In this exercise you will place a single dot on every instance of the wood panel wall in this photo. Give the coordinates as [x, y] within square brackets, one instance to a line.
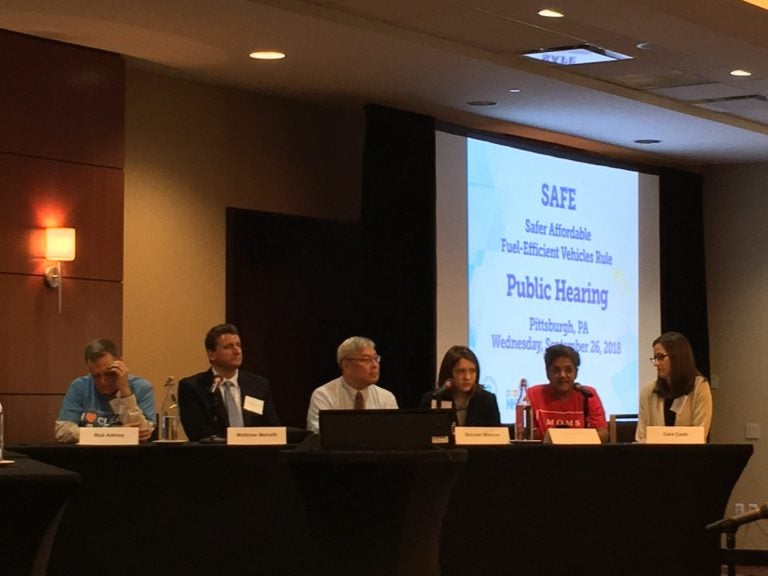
[61, 164]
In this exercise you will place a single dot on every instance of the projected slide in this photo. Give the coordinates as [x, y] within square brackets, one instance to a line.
[552, 257]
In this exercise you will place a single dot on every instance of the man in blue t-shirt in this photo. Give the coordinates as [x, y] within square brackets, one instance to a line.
[107, 396]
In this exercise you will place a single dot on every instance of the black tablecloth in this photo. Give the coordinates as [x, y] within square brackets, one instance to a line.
[179, 509]
[376, 513]
[629, 510]
[31, 496]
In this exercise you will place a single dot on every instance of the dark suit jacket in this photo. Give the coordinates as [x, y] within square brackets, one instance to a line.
[203, 413]
[482, 409]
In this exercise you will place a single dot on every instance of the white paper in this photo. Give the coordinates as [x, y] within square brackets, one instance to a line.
[675, 435]
[572, 436]
[257, 436]
[109, 436]
[253, 405]
[474, 435]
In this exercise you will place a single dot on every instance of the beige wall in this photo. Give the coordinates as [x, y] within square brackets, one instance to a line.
[736, 237]
[191, 151]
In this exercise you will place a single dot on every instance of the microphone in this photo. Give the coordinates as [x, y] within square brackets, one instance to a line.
[215, 398]
[579, 388]
[447, 385]
[728, 524]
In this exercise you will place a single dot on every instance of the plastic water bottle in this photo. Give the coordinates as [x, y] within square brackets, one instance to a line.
[523, 414]
[168, 418]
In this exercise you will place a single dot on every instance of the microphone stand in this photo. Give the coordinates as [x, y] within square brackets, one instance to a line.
[728, 526]
[215, 400]
[730, 544]
[586, 396]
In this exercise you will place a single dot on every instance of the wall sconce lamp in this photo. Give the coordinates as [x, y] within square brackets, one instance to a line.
[59, 247]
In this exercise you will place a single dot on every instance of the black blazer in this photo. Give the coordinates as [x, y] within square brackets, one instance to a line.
[203, 413]
[482, 410]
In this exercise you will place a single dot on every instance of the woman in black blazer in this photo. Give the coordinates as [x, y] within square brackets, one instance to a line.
[457, 382]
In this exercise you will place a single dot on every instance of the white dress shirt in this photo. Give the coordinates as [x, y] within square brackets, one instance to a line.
[339, 395]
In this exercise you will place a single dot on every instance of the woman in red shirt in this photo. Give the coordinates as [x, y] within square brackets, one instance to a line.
[563, 402]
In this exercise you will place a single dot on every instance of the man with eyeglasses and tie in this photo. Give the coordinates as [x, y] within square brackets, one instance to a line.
[224, 395]
[356, 388]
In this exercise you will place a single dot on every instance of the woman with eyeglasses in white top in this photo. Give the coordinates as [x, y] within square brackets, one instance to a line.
[680, 395]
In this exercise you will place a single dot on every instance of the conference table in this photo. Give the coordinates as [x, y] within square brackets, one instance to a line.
[32, 496]
[634, 510]
[618, 509]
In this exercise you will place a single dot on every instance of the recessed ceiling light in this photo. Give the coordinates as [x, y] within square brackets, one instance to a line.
[481, 103]
[267, 55]
[644, 46]
[741, 73]
[647, 141]
[515, 90]
[546, 13]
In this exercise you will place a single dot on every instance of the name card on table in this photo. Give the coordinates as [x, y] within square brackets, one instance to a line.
[259, 436]
[675, 435]
[112, 436]
[571, 436]
[477, 435]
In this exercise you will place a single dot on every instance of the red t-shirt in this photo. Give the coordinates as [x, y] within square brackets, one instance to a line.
[552, 412]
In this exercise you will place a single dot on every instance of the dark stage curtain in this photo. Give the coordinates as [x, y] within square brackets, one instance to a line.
[683, 280]
[293, 291]
[398, 238]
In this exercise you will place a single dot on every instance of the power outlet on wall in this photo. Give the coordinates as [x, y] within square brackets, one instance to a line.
[738, 508]
[752, 431]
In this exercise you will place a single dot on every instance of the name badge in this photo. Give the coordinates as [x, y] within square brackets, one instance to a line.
[253, 405]
[476, 435]
[675, 435]
[112, 436]
[257, 436]
[571, 436]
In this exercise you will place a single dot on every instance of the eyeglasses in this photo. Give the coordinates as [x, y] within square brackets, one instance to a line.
[367, 359]
[657, 358]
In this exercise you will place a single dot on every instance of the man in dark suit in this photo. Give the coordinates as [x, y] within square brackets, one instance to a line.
[224, 395]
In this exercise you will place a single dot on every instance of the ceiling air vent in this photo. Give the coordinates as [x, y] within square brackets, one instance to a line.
[750, 106]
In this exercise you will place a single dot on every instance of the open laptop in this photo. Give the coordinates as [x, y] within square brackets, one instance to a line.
[390, 429]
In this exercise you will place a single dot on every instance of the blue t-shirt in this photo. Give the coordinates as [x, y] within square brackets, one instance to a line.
[85, 406]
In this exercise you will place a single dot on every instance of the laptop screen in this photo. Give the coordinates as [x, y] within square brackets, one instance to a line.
[384, 429]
